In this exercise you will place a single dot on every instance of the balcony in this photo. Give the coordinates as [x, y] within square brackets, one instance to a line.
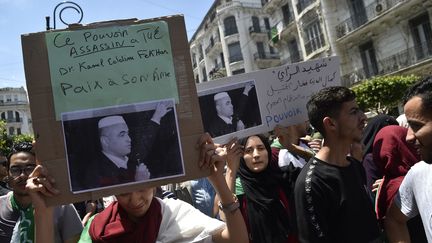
[258, 31]
[17, 102]
[371, 12]
[213, 48]
[302, 4]
[269, 6]
[266, 59]
[13, 120]
[314, 44]
[395, 63]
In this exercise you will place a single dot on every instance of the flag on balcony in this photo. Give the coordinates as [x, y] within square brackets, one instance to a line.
[274, 34]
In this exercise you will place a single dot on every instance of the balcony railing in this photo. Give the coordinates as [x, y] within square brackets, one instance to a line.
[211, 45]
[370, 12]
[266, 55]
[10, 120]
[302, 4]
[394, 63]
[258, 29]
[13, 103]
[314, 44]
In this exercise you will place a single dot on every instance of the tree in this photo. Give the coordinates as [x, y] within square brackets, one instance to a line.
[6, 141]
[384, 93]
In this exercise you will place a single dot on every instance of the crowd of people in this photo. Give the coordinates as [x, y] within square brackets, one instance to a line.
[354, 180]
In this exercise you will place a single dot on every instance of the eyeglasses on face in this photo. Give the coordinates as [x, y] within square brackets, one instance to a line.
[18, 170]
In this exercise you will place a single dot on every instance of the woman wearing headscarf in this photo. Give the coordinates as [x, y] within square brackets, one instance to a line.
[372, 128]
[394, 157]
[265, 206]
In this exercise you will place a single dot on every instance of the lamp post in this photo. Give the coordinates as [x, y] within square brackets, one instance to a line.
[64, 5]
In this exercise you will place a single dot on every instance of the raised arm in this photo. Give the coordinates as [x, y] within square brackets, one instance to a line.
[235, 230]
[39, 184]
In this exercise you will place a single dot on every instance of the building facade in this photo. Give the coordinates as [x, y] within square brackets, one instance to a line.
[372, 37]
[15, 110]
[233, 38]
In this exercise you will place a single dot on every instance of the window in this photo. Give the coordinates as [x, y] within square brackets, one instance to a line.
[238, 71]
[11, 131]
[204, 73]
[19, 131]
[17, 116]
[255, 25]
[230, 26]
[314, 37]
[3, 116]
[358, 12]
[15, 97]
[286, 14]
[8, 98]
[222, 59]
[235, 52]
[294, 51]
[421, 31]
[367, 53]
[260, 49]
[267, 23]
[9, 115]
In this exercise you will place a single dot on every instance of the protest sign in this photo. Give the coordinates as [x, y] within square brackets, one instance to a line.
[121, 70]
[281, 96]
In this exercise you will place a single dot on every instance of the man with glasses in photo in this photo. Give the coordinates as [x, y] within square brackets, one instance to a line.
[16, 211]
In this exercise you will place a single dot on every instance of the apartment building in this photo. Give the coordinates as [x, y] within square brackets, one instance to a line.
[371, 37]
[15, 110]
[232, 38]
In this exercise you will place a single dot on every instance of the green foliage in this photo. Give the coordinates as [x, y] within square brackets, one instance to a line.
[382, 94]
[7, 141]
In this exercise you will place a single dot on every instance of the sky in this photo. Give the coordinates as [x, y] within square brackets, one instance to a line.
[19, 17]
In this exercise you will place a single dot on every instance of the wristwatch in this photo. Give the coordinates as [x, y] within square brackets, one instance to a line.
[231, 207]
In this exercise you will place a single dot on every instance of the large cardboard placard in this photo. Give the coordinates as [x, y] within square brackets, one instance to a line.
[279, 96]
[122, 68]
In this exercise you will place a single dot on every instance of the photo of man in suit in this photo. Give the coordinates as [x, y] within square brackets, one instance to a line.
[226, 120]
[114, 164]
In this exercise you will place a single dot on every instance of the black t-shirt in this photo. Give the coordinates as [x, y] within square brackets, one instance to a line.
[332, 204]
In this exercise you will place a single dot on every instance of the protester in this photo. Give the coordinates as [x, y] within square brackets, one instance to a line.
[331, 202]
[372, 128]
[140, 217]
[265, 205]
[4, 189]
[414, 194]
[16, 209]
[394, 157]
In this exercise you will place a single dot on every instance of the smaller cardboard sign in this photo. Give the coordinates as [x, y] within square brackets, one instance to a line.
[279, 96]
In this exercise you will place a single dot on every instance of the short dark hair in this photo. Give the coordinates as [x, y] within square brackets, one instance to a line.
[26, 147]
[327, 102]
[422, 89]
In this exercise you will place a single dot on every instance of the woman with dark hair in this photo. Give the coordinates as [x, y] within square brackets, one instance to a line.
[372, 128]
[265, 206]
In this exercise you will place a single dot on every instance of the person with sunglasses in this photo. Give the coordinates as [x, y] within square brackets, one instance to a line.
[16, 210]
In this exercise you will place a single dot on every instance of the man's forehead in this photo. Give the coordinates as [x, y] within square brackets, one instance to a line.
[414, 110]
[22, 157]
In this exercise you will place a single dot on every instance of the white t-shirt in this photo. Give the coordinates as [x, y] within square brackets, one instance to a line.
[181, 222]
[415, 195]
